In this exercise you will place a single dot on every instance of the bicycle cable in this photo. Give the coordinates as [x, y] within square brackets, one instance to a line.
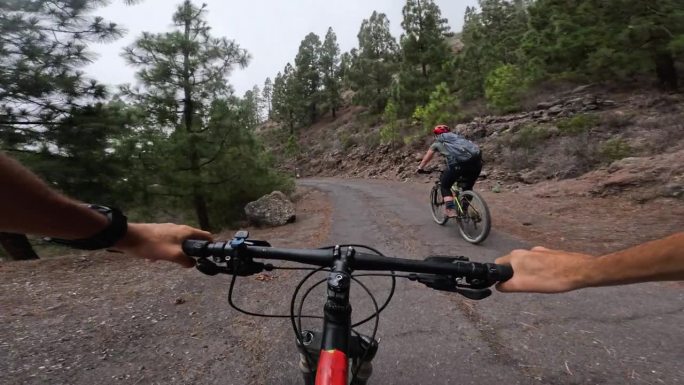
[392, 288]
[301, 302]
[250, 313]
[293, 300]
[376, 315]
[375, 328]
[296, 324]
[294, 268]
[296, 321]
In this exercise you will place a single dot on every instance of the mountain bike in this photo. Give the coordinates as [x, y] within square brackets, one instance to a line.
[473, 218]
[338, 354]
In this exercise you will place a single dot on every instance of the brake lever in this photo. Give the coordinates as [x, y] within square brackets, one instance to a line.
[207, 267]
[231, 266]
[448, 283]
[475, 294]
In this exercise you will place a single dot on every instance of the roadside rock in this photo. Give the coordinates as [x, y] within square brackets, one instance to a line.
[673, 190]
[645, 178]
[273, 209]
[555, 110]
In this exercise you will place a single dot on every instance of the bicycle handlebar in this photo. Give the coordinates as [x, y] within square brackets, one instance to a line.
[478, 275]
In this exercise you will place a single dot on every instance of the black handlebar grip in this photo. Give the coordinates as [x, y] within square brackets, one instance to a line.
[194, 248]
[505, 272]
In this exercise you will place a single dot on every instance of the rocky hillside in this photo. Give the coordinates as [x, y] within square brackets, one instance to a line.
[597, 142]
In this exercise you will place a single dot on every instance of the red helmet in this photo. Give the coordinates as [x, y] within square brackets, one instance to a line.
[439, 130]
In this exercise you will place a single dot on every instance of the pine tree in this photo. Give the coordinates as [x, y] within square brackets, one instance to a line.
[267, 97]
[345, 66]
[425, 52]
[492, 38]
[330, 67]
[278, 97]
[184, 89]
[252, 104]
[43, 45]
[374, 63]
[285, 98]
[44, 95]
[308, 78]
[590, 38]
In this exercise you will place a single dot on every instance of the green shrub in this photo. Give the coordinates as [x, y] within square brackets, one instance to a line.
[412, 139]
[577, 124]
[389, 131]
[615, 149]
[503, 88]
[292, 146]
[372, 139]
[617, 120]
[529, 136]
[368, 119]
[441, 109]
[348, 140]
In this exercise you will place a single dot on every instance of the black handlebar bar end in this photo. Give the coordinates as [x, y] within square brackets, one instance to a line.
[194, 248]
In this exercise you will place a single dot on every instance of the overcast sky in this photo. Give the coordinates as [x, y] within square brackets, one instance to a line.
[270, 30]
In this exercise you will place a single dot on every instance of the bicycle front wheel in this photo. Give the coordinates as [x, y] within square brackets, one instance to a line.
[475, 222]
[437, 206]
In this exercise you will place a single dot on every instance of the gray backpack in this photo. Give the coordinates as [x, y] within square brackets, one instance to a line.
[459, 148]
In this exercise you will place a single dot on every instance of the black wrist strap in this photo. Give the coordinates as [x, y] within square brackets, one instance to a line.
[115, 230]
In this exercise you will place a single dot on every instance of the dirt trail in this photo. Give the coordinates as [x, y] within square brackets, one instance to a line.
[100, 319]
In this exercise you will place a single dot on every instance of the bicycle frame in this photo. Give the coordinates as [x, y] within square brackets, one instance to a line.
[455, 193]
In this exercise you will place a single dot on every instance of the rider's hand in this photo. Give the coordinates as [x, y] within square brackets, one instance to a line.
[542, 270]
[160, 241]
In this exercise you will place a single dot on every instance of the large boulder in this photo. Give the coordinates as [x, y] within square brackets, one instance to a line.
[273, 209]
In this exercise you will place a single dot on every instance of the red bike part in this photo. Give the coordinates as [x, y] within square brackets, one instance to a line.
[333, 368]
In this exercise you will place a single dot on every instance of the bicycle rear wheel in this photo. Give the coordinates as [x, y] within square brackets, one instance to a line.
[475, 222]
[437, 205]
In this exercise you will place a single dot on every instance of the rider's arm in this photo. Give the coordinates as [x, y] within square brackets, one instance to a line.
[543, 270]
[426, 158]
[28, 205]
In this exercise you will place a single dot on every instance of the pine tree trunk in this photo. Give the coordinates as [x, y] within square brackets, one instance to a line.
[666, 70]
[201, 211]
[199, 201]
[17, 247]
[291, 123]
[334, 112]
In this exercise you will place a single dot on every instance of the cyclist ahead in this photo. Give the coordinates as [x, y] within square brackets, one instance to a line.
[463, 161]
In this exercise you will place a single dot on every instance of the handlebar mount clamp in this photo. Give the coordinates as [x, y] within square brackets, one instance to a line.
[232, 262]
